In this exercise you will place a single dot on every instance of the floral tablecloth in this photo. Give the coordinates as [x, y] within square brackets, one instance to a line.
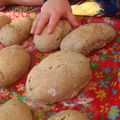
[99, 100]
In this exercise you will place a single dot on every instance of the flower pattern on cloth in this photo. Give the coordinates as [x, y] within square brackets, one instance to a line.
[100, 99]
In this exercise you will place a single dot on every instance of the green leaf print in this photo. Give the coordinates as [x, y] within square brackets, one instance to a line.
[118, 39]
[94, 65]
[20, 97]
[102, 118]
[107, 56]
[109, 77]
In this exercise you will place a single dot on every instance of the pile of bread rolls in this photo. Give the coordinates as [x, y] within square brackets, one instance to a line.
[61, 75]
[15, 31]
[14, 60]
[67, 70]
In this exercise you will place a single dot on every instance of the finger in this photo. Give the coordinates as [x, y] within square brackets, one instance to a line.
[44, 19]
[71, 18]
[52, 23]
[35, 24]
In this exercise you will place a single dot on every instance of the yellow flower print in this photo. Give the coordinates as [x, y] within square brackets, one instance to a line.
[21, 87]
[99, 75]
[111, 49]
[38, 55]
[104, 108]
[93, 86]
[118, 74]
[114, 112]
[95, 58]
[4, 93]
[101, 94]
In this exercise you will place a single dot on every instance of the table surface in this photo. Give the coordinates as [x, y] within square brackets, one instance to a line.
[100, 99]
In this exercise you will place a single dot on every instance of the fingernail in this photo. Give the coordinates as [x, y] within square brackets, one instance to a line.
[37, 33]
[31, 31]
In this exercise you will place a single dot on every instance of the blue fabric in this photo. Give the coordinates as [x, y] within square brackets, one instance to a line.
[110, 6]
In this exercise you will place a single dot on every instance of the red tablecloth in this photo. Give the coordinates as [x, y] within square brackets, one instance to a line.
[99, 100]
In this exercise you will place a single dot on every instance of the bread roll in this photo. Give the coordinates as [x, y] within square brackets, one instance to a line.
[49, 42]
[88, 37]
[14, 62]
[4, 20]
[22, 26]
[14, 109]
[69, 115]
[16, 32]
[9, 36]
[58, 77]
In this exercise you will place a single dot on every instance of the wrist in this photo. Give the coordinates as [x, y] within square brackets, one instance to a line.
[75, 1]
[70, 1]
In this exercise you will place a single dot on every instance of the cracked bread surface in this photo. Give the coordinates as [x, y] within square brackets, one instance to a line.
[88, 37]
[49, 42]
[59, 76]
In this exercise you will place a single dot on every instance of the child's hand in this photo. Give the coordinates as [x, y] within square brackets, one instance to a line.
[50, 14]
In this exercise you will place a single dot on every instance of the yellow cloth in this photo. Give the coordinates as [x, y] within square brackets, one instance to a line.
[86, 9]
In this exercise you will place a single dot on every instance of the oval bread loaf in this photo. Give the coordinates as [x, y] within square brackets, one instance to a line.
[14, 109]
[22, 26]
[88, 37]
[9, 36]
[14, 62]
[59, 76]
[49, 42]
[69, 115]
